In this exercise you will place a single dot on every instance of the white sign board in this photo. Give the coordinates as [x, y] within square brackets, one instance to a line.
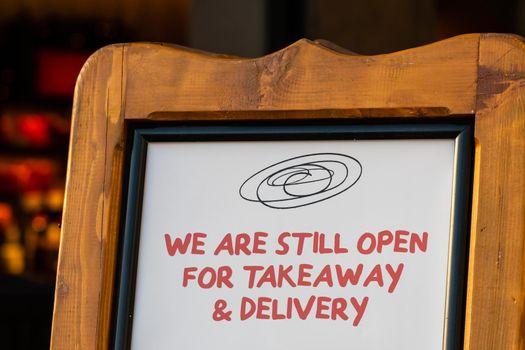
[294, 245]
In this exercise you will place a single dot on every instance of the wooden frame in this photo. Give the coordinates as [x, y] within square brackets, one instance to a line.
[473, 76]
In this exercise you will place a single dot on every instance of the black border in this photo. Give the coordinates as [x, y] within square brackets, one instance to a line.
[140, 134]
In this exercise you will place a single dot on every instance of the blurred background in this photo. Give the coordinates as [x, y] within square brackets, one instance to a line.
[44, 43]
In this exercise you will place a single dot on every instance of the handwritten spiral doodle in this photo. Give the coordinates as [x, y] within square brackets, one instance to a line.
[302, 180]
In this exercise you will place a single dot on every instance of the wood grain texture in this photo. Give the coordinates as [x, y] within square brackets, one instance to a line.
[304, 76]
[89, 231]
[479, 76]
[496, 292]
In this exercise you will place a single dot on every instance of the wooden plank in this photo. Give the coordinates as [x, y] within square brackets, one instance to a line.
[496, 294]
[89, 205]
[303, 76]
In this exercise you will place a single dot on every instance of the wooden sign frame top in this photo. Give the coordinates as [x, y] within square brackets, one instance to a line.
[477, 76]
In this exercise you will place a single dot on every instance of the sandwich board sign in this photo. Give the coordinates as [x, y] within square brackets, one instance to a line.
[302, 200]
